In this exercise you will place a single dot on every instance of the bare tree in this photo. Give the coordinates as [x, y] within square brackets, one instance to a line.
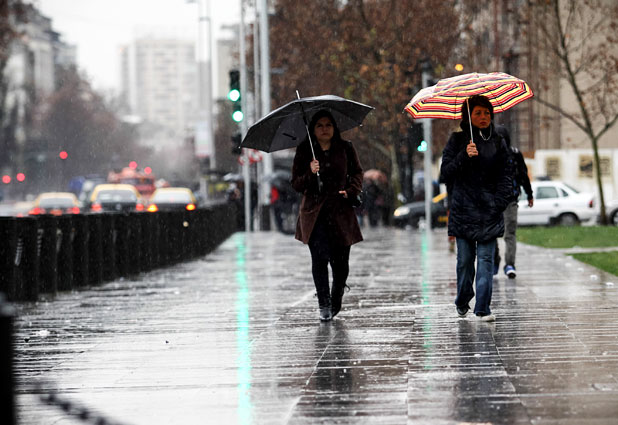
[368, 50]
[581, 36]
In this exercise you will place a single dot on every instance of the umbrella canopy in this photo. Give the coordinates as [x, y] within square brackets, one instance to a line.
[444, 100]
[284, 127]
[375, 175]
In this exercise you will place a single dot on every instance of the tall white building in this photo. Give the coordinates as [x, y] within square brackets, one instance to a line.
[160, 85]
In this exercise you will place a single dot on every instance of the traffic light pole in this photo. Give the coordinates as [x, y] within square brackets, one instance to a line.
[427, 160]
[265, 95]
[243, 123]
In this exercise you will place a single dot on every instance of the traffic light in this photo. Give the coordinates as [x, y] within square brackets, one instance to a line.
[234, 95]
[236, 139]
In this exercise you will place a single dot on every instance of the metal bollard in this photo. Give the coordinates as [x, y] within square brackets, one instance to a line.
[8, 251]
[153, 240]
[122, 244]
[7, 383]
[65, 252]
[80, 251]
[168, 237]
[48, 266]
[146, 233]
[27, 259]
[108, 246]
[134, 252]
[95, 252]
[177, 232]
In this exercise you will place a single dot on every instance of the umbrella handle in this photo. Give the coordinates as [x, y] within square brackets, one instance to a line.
[310, 141]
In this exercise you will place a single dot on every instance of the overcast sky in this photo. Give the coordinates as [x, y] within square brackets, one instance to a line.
[99, 27]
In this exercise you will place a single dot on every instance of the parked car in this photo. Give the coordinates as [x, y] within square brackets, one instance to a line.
[115, 197]
[556, 203]
[410, 214]
[172, 199]
[55, 203]
[611, 209]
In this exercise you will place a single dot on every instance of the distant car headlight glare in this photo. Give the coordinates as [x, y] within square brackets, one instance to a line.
[402, 211]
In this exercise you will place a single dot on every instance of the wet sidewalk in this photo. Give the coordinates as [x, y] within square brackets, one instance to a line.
[234, 338]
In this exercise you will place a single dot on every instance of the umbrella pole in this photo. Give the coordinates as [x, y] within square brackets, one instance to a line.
[306, 126]
[310, 141]
[469, 119]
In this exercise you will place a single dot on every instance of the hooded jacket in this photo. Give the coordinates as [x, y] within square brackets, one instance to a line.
[340, 161]
[479, 188]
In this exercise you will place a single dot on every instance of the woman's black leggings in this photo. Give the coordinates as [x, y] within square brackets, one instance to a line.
[323, 252]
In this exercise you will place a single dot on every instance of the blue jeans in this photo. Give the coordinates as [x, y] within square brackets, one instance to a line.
[467, 250]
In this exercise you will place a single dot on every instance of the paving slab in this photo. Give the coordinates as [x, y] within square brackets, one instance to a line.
[234, 338]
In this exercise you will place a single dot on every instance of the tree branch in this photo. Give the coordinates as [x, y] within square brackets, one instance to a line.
[607, 126]
[561, 112]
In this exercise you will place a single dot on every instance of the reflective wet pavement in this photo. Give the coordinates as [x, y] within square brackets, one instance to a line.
[234, 338]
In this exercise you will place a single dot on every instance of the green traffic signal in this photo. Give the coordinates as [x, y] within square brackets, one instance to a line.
[422, 147]
[238, 116]
[234, 95]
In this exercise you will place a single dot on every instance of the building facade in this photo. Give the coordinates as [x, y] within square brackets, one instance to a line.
[159, 83]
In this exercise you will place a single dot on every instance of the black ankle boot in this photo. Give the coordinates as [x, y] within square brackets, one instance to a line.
[325, 307]
[337, 297]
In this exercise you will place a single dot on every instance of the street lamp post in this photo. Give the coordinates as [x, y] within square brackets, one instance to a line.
[243, 123]
[204, 134]
[427, 155]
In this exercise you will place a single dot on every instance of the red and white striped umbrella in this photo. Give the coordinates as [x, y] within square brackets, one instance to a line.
[444, 100]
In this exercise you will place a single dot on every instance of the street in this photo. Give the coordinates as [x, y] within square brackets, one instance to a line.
[234, 338]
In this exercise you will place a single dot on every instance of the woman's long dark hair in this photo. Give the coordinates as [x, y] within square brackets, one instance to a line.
[319, 115]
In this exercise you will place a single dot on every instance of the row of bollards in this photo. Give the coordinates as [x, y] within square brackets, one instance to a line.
[47, 254]
[7, 401]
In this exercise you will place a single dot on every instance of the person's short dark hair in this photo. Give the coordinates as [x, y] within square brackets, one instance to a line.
[319, 115]
[477, 100]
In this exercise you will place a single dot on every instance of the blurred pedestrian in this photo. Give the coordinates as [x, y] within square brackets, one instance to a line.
[326, 220]
[519, 178]
[474, 167]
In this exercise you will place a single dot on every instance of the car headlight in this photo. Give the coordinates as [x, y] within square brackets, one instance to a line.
[401, 211]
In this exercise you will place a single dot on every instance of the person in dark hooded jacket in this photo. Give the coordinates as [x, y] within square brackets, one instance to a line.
[475, 170]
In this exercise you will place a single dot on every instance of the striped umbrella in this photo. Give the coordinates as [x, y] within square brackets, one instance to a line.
[444, 100]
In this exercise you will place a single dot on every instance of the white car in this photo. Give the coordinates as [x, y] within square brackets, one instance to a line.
[556, 203]
[611, 209]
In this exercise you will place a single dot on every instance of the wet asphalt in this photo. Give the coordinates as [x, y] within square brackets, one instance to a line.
[234, 338]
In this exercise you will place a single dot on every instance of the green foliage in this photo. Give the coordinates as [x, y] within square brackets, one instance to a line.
[569, 237]
[607, 261]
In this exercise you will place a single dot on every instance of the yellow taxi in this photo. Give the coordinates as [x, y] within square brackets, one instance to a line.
[172, 199]
[115, 198]
[55, 203]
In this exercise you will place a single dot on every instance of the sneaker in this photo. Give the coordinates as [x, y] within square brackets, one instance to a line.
[510, 271]
[462, 311]
[487, 318]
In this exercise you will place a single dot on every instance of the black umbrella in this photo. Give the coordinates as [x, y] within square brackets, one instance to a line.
[286, 127]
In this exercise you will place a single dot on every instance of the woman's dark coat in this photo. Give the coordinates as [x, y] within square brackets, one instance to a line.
[479, 187]
[333, 172]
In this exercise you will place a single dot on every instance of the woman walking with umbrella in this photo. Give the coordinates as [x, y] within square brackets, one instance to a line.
[329, 176]
[475, 168]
